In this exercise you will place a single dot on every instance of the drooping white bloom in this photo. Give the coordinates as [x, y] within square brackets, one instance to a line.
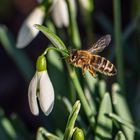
[86, 4]
[60, 13]
[41, 87]
[27, 33]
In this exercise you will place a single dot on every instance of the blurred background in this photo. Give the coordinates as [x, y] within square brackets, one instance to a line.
[15, 78]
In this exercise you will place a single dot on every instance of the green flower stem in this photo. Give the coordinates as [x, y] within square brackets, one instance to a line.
[81, 95]
[73, 28]
[86, 13]
[42, 132]
[63, 52]
[118, 42]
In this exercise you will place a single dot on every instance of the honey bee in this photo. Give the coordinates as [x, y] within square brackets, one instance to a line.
[89, 61]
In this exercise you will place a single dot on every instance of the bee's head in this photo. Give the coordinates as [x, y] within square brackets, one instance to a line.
[72, 55]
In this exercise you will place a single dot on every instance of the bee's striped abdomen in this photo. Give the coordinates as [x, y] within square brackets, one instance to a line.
[102, 65]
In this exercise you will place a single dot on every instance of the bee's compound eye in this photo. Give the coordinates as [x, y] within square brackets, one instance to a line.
[73, 57]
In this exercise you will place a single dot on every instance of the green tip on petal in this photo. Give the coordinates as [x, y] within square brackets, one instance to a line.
[78, 134]
[41, 64]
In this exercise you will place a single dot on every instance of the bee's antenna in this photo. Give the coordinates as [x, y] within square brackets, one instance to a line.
[70, 50]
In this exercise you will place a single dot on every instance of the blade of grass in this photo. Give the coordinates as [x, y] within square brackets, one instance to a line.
[104, 125]
[121, 108]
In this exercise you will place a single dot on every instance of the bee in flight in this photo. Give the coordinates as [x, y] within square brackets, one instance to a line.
[89, 61]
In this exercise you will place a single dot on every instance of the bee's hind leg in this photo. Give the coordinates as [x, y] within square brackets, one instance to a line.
[84, 69]
[92, 72]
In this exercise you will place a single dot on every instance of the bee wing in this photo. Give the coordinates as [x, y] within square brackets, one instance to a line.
[100, 44]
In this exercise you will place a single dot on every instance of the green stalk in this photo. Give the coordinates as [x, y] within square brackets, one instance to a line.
[118, 42]
[81, 95]
[86, 13]
[73, 28]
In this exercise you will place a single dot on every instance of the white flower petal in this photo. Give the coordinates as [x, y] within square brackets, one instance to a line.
[60, 13]
[85, 4]
[32, 97]
[46, 96]
[27, 33]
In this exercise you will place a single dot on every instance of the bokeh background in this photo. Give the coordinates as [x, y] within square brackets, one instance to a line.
[14, 82]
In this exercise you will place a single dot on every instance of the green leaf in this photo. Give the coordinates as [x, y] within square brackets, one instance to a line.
[20, 128]
[69, 109]
[3, 134]
[19, 57]
[7, 131]
[102, 88]
[43, 134]
[90, 81]
[89, 90]
[71, 121]
[103, 129]
[123, 122]
[121, 108]
[120, 136]
[55, 40]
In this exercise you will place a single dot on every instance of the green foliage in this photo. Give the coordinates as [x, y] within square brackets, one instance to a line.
[105, 114]
[13, 128]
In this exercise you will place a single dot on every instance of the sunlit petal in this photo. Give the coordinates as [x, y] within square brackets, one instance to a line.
[60, 13]
[46, 96]
[27, 33]
[32, 97]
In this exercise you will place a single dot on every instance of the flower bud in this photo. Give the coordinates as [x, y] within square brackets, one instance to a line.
[41, 63]
[78, 134]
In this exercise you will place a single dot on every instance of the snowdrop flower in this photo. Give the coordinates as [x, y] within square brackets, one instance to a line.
[41, 87]
[87, 4]
[60, 13]
[27, 33]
